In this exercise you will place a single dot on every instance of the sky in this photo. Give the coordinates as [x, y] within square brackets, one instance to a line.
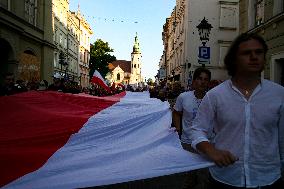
[117, 21]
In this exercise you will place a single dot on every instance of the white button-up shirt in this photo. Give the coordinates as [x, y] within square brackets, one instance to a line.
[252, 130]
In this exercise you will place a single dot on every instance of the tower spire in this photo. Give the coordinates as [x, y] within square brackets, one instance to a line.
[136, 47]
[78, 11]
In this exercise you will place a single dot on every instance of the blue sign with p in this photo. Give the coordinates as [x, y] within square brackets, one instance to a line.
[204, 52]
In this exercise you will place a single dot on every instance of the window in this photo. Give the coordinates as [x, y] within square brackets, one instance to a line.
[85, 57]
[223, 48]
[259, 12]
[31, 11]
[60, 38]
[55, 59]
[118, 77]
[278, 7]
[65, 42]
[228, 16]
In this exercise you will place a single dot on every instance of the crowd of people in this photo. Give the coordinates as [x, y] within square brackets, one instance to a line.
[59, 84]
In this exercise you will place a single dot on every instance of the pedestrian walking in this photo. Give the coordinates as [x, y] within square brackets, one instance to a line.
[184, 112]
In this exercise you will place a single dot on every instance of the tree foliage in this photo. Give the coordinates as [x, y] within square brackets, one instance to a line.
[100, 57]
[150, 81]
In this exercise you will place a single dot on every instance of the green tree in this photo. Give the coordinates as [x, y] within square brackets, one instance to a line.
[150, 81]
[100, 57]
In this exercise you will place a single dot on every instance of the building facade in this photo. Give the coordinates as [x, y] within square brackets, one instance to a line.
[266, 18]
[72, 48]
[72, 39]
[26, 43]
[182, 41]
[127, 72]
[60, 10]
[84, 33]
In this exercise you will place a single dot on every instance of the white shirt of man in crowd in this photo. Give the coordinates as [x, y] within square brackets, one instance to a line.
[187, 104]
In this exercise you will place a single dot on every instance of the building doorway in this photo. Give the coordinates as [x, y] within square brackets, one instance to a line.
[29, 67]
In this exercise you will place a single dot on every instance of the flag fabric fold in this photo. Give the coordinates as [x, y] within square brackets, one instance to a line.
[98, 79]
[127, 141]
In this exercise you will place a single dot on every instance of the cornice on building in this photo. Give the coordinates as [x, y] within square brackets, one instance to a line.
[268, 23]
[14, 26]
[228, 2]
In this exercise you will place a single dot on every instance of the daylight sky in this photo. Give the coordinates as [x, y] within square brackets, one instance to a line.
[117, 21]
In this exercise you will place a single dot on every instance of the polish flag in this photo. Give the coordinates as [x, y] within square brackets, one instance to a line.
[98, 79]
[57, 140]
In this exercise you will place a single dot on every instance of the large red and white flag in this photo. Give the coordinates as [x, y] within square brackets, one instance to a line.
[98, 79]
[57, 140]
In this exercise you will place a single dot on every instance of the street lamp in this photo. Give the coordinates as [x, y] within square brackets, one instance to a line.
[63, 62]
[173, 74]
[204, 29]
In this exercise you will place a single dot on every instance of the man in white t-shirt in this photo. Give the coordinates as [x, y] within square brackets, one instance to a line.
[187, 104]
[184, 112]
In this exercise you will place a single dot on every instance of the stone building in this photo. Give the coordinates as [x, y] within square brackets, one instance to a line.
[26, 43]
[83, 33]
[60, 9]
[127, 72]
[266, 18]
[72, 39]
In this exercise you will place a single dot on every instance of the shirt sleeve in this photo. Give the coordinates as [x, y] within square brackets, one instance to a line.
[202, 125]
[178, 104]
[281, 135]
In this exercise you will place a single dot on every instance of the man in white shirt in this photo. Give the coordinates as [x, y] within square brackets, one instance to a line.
[187, 104]
[184, 112]
[246, 114]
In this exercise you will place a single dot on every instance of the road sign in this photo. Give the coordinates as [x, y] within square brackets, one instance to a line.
[204, 55]
[202, 61]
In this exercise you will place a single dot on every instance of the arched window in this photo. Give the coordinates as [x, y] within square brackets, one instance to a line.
[118, 76]
[134, 65]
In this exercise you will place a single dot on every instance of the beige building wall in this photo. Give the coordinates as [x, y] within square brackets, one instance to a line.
[176, 69]
[72, 36]
[26, 39]
[266, 18]
[84, 50]
[73, 47]
[83, 33]
[60, 9]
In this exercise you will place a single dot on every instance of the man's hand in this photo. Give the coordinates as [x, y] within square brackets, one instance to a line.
[177, 116]
[221, 158]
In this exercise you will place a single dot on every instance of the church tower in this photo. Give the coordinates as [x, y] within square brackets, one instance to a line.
[136, 63]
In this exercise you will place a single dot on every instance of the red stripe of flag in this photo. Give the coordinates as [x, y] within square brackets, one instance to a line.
[34, 125]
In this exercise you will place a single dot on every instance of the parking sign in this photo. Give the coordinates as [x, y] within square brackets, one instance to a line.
[204, 55]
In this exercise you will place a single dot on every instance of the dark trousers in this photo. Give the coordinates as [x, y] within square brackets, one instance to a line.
[279, 184]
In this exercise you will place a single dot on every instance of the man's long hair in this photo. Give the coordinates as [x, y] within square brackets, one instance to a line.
[230, 58]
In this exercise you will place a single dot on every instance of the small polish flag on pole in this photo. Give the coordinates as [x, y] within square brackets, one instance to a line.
[98, 79]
